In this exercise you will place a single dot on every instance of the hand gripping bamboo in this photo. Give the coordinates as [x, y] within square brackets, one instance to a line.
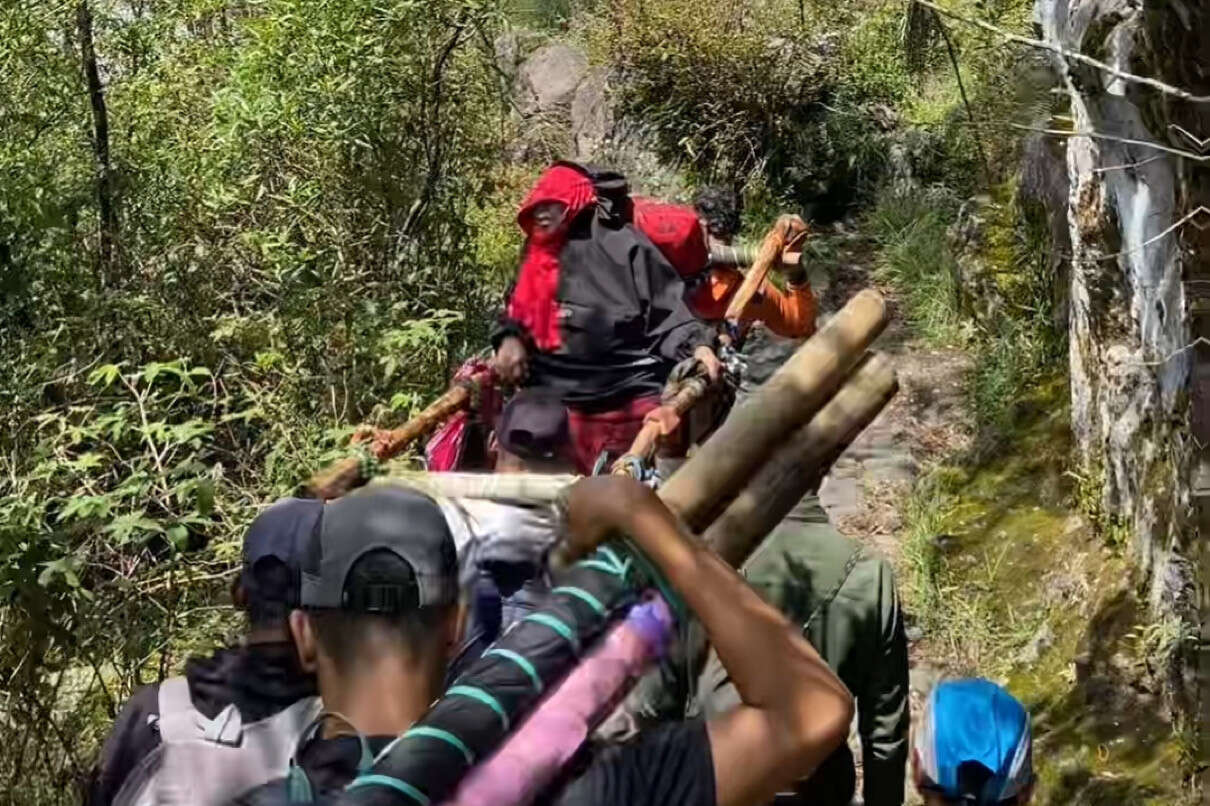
[721, 467]
[786, 235]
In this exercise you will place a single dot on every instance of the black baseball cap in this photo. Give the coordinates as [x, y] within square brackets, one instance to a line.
[275, 541]
[534, 425]
[381, 517]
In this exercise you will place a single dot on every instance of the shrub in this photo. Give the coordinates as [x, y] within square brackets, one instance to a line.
[295, 252]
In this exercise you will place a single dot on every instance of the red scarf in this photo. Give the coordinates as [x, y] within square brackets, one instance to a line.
[533, 302]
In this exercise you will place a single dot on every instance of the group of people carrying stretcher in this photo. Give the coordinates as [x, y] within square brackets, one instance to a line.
[377, 669]
[612, 293]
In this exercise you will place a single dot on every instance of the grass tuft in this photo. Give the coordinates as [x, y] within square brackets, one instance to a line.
[915, 259]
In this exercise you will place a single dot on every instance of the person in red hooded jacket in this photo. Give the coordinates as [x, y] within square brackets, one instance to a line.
[593, 325]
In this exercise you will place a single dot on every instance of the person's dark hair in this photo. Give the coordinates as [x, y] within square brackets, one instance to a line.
[383, 580]
[973, 778]
[719, 207]
[275, 596]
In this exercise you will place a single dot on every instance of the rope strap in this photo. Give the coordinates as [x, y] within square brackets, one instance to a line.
[444, 736]
[391, 783]
[368, 466]
[482, 696]
[521, 661]
[583, 596]
[558, 626]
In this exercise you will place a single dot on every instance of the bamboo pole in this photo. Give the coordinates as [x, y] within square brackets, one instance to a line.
[744, 255]
[531, 488]
[709, 479]
[345, 474]
[787, 233]
[801, 463]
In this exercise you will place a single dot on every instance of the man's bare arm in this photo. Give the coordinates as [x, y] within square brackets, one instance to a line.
[795, 711]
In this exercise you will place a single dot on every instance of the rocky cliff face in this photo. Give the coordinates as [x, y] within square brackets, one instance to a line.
[1137, 256]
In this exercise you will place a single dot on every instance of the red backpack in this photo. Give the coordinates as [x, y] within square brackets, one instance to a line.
[676, 232]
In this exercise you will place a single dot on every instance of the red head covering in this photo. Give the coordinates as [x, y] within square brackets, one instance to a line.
[533, 302]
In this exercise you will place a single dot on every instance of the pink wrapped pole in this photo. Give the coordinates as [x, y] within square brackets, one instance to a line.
[536, 752]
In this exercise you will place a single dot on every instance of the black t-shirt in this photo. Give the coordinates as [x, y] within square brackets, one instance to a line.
[260, 679]
[668, 766]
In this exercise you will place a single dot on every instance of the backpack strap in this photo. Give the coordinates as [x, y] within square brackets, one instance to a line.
[180, 721]
[826, 602]
[226, 728]
[178, 717]
[299, 788]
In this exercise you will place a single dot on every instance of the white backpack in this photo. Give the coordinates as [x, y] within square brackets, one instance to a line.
[209, 762]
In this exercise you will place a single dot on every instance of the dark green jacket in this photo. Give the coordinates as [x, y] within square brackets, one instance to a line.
[846, 603]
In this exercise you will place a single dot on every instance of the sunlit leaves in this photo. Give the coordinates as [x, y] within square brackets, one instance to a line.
[415, 341]
[125, 528]
[104, 375]
[86, 507]
[266, 153]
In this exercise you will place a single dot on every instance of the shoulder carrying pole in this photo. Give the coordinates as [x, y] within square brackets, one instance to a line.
[722, 465]
[342, 476]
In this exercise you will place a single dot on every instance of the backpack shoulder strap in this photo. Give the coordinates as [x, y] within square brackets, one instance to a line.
[137, 789]
[180, 721]
[178, 717]
[827, 600]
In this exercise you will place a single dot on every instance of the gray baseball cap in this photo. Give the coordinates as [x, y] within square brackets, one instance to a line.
[387, 517]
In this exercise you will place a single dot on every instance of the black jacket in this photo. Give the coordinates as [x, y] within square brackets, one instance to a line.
[623, 318]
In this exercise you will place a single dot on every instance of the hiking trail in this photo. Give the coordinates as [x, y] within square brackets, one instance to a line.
[999, 574]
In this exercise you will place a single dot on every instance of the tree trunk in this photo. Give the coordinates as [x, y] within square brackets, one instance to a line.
[100, 141]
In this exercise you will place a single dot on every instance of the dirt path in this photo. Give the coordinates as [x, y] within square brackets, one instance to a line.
[1070, 639]
[868, 486]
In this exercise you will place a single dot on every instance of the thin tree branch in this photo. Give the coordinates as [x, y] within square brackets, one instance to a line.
[1071, 55]
[949, 48]
[100, 118]
[435, 154]
[1114, 139]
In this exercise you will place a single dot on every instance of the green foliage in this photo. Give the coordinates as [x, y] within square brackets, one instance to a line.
[540, 14]
[296, 252]
[736, 91]
[872, 55]
[914, 257]
[1010, 325]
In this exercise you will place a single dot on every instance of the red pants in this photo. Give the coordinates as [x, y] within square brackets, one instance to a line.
[613, 431]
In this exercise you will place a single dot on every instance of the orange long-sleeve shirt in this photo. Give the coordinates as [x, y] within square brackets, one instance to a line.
[790, 314]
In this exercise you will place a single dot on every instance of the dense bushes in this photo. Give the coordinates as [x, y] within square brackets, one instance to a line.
[742, 91]
[293, 253]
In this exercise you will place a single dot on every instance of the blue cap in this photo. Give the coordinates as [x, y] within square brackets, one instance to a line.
[281, 533]
[973, 744]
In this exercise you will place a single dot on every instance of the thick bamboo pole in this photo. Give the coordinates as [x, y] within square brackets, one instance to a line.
[744, 255]
[531, 488]
[800, 464]
[722, 466]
